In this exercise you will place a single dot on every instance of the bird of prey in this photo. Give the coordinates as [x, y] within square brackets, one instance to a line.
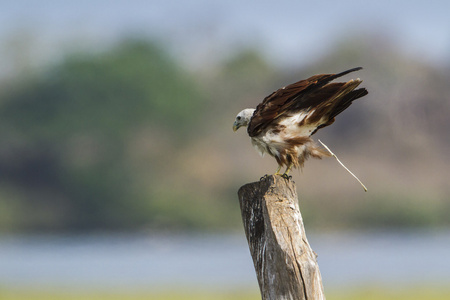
[283, 123]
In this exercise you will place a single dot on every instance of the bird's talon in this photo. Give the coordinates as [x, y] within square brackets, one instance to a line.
[286, 176]
[262, 178]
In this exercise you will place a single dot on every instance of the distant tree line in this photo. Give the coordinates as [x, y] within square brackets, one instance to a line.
[128, 139]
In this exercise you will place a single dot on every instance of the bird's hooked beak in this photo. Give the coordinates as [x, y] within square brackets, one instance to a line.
[236, 126]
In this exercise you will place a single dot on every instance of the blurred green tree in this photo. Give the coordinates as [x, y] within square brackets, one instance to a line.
[65, 136]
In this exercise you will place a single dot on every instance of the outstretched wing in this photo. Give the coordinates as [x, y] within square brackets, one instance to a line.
[318, 99]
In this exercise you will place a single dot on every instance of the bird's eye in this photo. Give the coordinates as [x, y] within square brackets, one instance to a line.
[238, 118]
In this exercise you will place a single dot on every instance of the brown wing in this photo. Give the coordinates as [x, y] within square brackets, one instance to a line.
[335, 102]
[315, 92]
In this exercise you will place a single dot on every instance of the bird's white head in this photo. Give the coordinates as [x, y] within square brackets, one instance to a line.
[243, 118]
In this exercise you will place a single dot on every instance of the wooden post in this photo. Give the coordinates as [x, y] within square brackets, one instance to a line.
[285, 264]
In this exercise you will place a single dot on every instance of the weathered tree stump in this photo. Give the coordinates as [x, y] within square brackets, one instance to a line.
[285, 264]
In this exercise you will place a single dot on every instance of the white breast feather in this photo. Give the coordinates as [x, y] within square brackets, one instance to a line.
[270, 141]
[259, 146]
[292, 128]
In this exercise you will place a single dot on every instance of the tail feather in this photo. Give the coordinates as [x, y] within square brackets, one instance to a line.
[337, 104]
[330, 78]
[346, 72]
[347, 100]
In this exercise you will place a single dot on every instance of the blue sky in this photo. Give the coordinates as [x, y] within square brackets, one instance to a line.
[198, 29]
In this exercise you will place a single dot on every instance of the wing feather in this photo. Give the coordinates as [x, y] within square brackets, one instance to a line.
[315, 96]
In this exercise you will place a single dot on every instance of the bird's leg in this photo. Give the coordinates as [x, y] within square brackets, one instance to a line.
[285, 174]
[278, 170]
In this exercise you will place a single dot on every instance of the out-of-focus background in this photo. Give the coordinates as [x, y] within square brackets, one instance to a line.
[119, 170]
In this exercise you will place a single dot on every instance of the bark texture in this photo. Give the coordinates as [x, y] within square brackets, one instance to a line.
[285, 264]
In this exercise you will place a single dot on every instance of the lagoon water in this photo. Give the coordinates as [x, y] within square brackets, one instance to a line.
[216, 261]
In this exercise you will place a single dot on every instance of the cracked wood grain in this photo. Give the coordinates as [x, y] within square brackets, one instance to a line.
[286, 266]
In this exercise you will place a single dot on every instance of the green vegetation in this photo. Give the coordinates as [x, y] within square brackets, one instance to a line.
[127, 139]
[69, 137]
[412, 293]
[366, 293]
